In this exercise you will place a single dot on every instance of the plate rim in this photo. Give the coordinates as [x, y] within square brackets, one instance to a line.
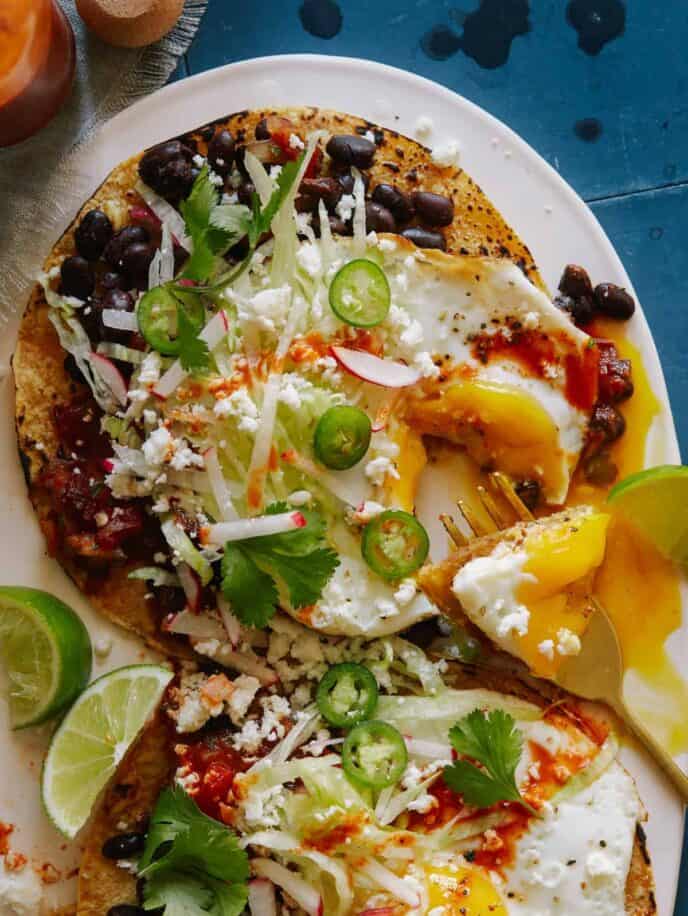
[393, 78]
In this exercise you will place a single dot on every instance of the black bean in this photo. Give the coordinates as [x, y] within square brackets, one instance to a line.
[600, 470]
[77, 277]
[124, 845]
[239, 251]
[136, 260]
[614, 301]
[90, 317]
[262, 132]
[119, 241]
[221, 152]
[395, 200]
[126, 909]
[112, 280]
[337, 226]
[329, 190]
[180, 255]
[379, 218]
[348, 149]
[425, 238]
[245, 193]
[581, 311]
[606, 424]
[72, 369]
[528, 492]
[433, 209]
[346, 180]
[167, 168]
[92, 234]
[575, 282]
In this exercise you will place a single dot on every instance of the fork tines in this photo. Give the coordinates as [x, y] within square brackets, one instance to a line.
[502, 489]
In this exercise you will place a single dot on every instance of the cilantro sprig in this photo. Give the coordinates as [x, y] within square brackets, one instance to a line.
[299, 559]
[191, 865]
[493, 742]
[194, 354]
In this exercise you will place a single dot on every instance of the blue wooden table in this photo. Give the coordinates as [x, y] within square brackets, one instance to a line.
[598, 87]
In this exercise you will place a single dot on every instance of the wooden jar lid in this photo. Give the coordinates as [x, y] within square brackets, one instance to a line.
[130, 23]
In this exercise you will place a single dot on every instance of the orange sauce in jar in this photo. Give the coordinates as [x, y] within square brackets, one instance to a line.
[37, 61]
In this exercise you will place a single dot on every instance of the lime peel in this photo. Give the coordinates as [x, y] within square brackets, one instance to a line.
[94, 737]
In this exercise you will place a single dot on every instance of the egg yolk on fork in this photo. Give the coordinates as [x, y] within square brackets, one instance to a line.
[561, 561]
[462, 891]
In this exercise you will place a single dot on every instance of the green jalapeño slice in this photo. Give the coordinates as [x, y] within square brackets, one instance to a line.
[359, 293]
[342, 437]
[347, 694]
[394, 544]
[157, 317]
[374, 755]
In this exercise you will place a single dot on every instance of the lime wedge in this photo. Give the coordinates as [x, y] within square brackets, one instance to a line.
[656, 501]
[94, 737]
[46, 652]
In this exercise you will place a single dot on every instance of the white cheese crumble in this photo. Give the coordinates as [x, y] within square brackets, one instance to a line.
[377, 470]
[567, 642]
[309, 258]
[546, 648]
[424, 126]
[240, 406]
[295, 142]
[300, 497]
[447, 154]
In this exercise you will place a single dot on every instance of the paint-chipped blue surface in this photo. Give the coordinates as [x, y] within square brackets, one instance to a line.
[614, 123]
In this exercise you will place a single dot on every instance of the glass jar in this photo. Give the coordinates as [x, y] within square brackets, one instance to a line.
[37, 60]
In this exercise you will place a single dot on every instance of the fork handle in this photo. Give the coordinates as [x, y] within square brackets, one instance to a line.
[671, 769]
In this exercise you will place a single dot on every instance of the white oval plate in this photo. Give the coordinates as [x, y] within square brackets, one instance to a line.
[544, 210]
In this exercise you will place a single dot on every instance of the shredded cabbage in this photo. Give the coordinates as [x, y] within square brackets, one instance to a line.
[74, 339]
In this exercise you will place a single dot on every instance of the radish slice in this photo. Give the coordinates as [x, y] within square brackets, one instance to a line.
[185, 623]
[218, 485]
[111, 375]
[253, 527]
[387, 880]
[305, 895]
[191, 584]
[230, 621]
[120, 320]
[166, 214]
[374, 369]
[261, 897]
[213, 333]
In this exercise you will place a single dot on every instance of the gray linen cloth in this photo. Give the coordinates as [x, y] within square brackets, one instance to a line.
[40, 188]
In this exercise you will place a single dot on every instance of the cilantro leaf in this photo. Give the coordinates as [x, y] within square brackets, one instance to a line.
[495, 743]
[299, 558]
[251, 591]
[231, 219]
[199, 205]
[305, 575]
[262, 218]
[193, 352]
[191, 863]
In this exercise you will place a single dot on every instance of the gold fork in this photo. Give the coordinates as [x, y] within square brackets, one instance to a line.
[597, 672]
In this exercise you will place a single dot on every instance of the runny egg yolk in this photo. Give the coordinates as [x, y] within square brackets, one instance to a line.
[499, 424]
[462, 891]
[561, 560]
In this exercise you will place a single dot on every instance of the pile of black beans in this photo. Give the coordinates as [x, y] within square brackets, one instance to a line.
[583, 303]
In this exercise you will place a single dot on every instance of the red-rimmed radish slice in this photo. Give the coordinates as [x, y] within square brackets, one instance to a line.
[191, 584]
[166, 213]
[390, 882]
[213, 333]
[348, 486]
[261, 897]
[385, 372]
[231, 621]
[302, 892]
[111, 375]
[119, 320]
[185, 623]
[218, 485]
[254, 527]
